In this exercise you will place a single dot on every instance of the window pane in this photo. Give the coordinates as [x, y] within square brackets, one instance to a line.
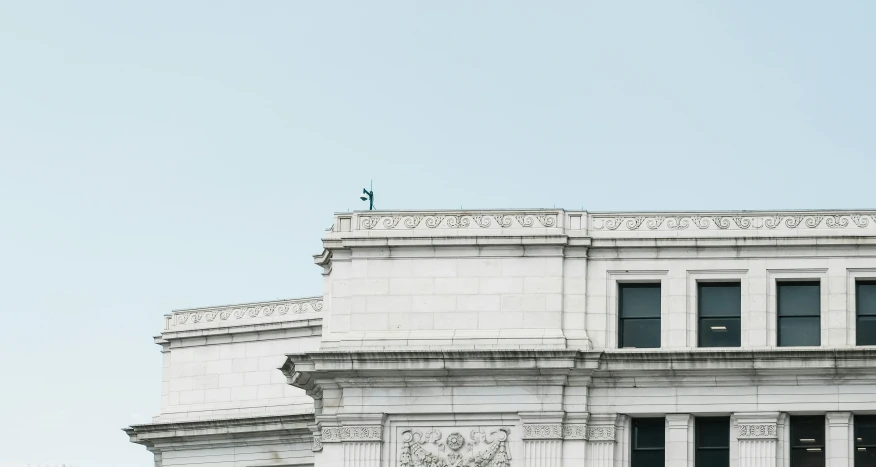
[640, 333]
[804, 458]
[865, 458]
[647, 459]
[720, 332]
[865, 296]
[799, 298]
[649, 433]
[639, 300]
[713, 432]
[799, 331]
[807, 432]
[865, 430]
[866, 330]
[720, 299]
[713, 458]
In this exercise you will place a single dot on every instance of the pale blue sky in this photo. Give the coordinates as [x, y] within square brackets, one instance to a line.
[160, 155]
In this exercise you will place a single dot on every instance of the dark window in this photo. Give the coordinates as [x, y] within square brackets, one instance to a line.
[639, 306]
[720, 308]
[807, 441]
[649, 439]
[713, 442]
[799, 306]
[865, 298]
[865, 440]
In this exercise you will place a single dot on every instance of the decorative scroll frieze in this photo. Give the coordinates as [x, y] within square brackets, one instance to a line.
[480, 449]
[483, 220]
[574, 431]
[234, 314]
[352, 433]
[775, 221]
[548, 431]
[757, 431]
[600, 433]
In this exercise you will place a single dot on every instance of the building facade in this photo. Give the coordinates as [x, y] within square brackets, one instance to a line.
[542, 338]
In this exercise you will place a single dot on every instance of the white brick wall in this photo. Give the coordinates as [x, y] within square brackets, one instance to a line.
[233, 379]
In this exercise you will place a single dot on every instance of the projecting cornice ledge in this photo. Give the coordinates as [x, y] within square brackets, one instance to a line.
[314, 371]
[237, 431]
[774, 362]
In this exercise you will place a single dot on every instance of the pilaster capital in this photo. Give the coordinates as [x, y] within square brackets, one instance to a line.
[542, 425]
[603, 427]
[678, 420]
[757, 425]
[839, 418]
[353, 427]
[575, 426]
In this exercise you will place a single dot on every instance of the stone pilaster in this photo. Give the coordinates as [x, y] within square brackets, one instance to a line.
[601, 440]
[758, 437]
[360, 437]
[542, 438]
[331, 451]
[838, 440]
[575, 439]
[679, 440]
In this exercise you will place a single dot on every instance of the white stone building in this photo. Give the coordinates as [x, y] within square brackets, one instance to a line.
[542, 338]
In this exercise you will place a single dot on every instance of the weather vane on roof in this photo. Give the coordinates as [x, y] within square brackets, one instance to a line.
[368, 195]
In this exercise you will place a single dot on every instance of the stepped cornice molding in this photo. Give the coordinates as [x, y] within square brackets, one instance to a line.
[231, 431]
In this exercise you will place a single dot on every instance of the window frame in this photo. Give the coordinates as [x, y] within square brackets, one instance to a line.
[634, 438]
[858, 314]
[858, 421]
[795, 445]
[700, 317]
[798, 282]
[697, 432]
[620, 318]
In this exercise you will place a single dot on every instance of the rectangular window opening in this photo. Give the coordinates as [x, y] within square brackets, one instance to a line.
[865, 306]
[719, 311]
[807, 441]
[865, 440]
[712, 439]
[639, 315]
[798, 306]
[648, 442]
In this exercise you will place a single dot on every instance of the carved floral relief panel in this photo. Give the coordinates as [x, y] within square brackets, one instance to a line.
[454, 447]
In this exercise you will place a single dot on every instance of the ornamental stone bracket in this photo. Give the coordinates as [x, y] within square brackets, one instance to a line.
[316, 444]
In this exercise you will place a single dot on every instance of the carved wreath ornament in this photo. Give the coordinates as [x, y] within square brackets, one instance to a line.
[482, 449]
